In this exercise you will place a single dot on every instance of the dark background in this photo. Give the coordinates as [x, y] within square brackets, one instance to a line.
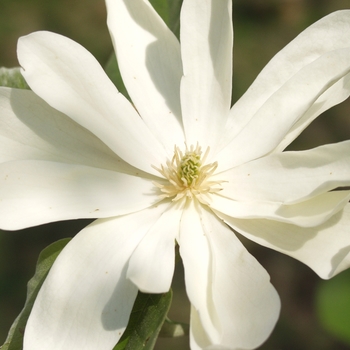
[262, 27]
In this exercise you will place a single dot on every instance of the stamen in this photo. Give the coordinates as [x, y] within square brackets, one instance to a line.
[187, 176]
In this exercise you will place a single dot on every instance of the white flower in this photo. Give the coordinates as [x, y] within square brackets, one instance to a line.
[76, 148]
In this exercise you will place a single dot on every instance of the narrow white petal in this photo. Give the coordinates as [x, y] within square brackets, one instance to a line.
[234, 304]
[273, 120]
[309, 213]
[325, 248]
[206, 49]
[31, 129]
[85, 301]
[195, 253]
[150, 64]
[37, 192]
[152, 264]
[290, 177]
[336, 94]
[71, 80]
[198, 336]
[247, 305]
[329, 33]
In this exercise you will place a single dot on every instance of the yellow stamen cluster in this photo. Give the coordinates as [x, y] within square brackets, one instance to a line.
[187, 176]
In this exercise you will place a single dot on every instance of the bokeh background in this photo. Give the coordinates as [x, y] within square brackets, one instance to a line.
[262, 27]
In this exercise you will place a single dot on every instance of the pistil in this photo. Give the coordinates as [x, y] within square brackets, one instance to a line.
[188, 175]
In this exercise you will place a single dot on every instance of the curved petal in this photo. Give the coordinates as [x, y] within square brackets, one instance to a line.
[235, 305]
[309, 213]
[195, 253]
[43, 191]
[246, 303]
[150, 64]
[325, 248]
[329, 33]
[70, 79]
[336, 94]
[272, 122]
[31, 129]
[198, 336]
[289, 177]
[86, 300]
[151, 266]
[206, 49]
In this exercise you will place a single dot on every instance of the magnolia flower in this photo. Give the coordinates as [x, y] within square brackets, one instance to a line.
[176, 165]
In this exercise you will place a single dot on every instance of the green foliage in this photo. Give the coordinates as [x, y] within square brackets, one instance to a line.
[333, 306]
[146, 320]
[169, 10]
[47, 257]
[163, 9]
[12, 77]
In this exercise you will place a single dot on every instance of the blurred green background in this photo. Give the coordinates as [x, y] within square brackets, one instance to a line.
[262, 27]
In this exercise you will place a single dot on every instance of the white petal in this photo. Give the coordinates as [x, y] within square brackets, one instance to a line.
[37, 192]
[195, 253]
[309, 213]
[235, 305]
[246, 304]
[336, 94]
[70, 79]
[85, 301]
[325, 248]
[273, 120]
[329, 33]
[31, 129]
[206, 49]
[198, 336]
[152, 264]
[150, 64]
[289, 177]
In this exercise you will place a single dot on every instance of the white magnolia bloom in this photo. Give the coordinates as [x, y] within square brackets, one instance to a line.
[177, 165]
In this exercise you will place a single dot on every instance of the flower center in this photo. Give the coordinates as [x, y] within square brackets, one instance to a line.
[188, 176]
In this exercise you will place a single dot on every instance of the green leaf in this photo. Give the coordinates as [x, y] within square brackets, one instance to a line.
[169, 10]
[12, 77]
[174, 16]
[146, 320]
[162, 7]
[333, 306]
[47, 257]
[173, 329]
